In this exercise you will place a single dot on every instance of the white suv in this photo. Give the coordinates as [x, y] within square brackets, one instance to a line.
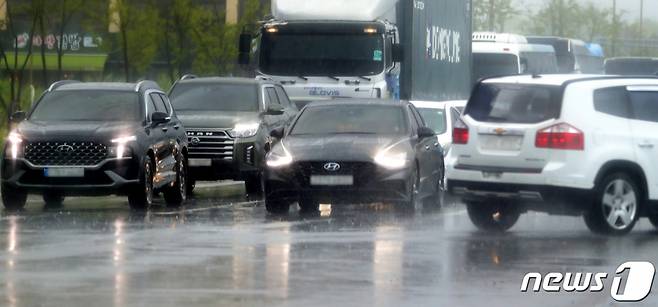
[563, 144]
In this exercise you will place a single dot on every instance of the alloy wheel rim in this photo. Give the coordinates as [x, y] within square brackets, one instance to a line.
[619, 204]
[181, 181]
[149, 184]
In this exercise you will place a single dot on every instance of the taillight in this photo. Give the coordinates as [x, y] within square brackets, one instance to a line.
[560, 136]
[460, 133]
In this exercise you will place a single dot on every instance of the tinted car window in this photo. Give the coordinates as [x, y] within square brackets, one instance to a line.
[491, 64]
[435, 119]
[283, 98]
[88, 105]
[271, 93]
[507, 103]
[352, 119]
[645, 106]
[215, 96]
[612, 101]
[160, 105]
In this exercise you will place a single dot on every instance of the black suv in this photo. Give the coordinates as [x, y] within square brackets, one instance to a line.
[96, 139]
[228, 121]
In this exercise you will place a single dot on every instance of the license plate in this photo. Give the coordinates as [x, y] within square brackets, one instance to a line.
[59, 172]
[332, 180]
[492, 175]
[199, 162]
[506, 142]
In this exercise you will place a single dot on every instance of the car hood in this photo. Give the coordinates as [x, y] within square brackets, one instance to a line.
[215, 119]
[78, 130]
[361, 148]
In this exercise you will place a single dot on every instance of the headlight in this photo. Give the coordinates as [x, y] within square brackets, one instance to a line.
[121, 150]
[278, 159]
[14, 141]
[244, 130]
[391, 160]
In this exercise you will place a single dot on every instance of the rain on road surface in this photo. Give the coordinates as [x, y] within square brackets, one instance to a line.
[221, 250]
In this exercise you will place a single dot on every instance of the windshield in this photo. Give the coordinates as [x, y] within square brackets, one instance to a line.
[384, 120]
[487, 65]
[511, 103]
[215, 97]
[315, 54]
[435, 119]
[88, 105]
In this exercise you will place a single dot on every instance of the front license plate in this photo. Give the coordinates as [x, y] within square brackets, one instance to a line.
[59, 172]
[200, 162]
[332, 180]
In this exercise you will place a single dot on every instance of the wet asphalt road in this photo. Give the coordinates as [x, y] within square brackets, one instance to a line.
[221, 250]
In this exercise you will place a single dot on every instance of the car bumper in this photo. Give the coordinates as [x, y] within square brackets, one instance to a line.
[370, 184]
[245, 160]
[112, 176]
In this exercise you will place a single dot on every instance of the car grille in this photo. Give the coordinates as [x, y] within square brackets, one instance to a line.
[363, 172]
[65, 153]
[207, 144]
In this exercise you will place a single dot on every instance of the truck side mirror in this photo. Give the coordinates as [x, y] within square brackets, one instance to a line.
[18, 117]
[244, 48]
[397, 53]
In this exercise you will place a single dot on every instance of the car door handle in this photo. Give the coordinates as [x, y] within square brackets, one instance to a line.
[646, 146]
[177, 127]
[437, 144]
[165, 129]
[427, 147]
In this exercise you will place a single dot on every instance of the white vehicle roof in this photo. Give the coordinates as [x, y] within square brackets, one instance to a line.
[439, 104]
[490, 47]
[492, 37]
[352, 10]
[557, 80]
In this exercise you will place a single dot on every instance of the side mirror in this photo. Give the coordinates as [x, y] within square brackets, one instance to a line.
[397, 53]
[425, 132]
[244, 48]
[277, 133]
[18, 117]
[274, 109]
[160, 118]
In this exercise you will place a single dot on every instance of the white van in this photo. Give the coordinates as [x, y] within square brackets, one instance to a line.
[501, 54]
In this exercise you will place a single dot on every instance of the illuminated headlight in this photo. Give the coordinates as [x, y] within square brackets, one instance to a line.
[14, 141]
[278, 158]
[391, 160]
[121, 149]
[244, 130]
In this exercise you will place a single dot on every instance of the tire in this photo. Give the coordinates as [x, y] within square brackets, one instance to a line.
[253, 185]
[176, 195]
[414, 200]
[276, 206]
[142, 196]
[616, 205]
[53, 198]
[13, 199]
[653, 218]
[308, 205]
[191, 184]
[493, 216]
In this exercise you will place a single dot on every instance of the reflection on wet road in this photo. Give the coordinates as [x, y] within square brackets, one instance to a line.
[230, 252]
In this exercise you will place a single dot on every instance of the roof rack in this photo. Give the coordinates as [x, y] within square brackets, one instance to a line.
[144, 83]
[188, 77]
[57, 84]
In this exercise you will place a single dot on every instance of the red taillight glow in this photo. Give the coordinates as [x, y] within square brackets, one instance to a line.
[561, 136]
[460, 133]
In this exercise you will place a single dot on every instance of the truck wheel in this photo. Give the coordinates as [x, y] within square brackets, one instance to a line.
[276, 206]
[253, 185]
[616, 206]
[142, 196]
[177, 194]
[53, 198]
[13, 199]
[492, 215]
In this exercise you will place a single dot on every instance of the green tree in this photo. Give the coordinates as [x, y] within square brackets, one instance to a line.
[493, 15]
[557, 17]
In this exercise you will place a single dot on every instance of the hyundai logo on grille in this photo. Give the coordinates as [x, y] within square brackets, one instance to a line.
[195, 141]
[65, 149]
[332, 166]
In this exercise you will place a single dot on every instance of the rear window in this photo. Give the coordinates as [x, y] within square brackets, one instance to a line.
[645, 106]
[511, 103]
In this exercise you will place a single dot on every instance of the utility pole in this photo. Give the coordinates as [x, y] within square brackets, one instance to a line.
[614, 27]
[492, 16]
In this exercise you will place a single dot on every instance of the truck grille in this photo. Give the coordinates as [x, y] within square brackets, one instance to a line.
[65, 153]
[207, 144]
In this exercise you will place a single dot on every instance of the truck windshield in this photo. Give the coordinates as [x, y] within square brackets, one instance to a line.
[353, 119]
[215, 97]
[294, 54]
[487, 65]
[88, 105]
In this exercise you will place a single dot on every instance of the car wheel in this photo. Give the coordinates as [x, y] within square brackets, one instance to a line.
[13, 199]
[53, 198]
[616, 206]
[493, 216]
[653, 218]
[277, 206]
[308, 205]
[177, 194]
[142, 197]
[253, 185]
[414, 200]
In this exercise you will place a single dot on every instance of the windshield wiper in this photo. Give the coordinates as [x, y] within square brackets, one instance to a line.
[335, 78]
[303, 78]
[365, 78]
